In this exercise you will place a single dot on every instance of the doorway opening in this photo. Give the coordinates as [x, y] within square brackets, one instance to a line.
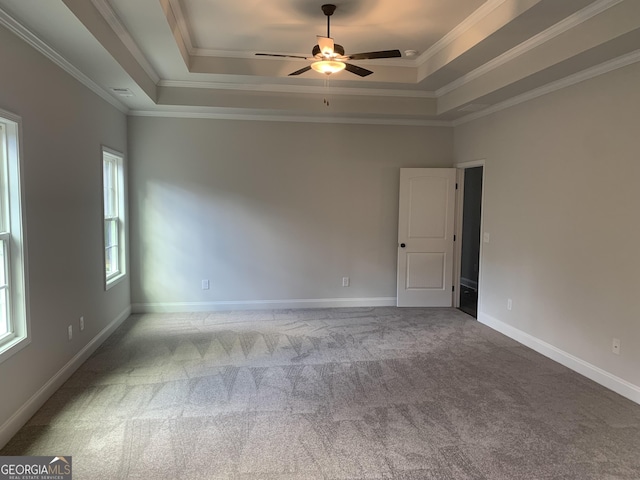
[471, 230]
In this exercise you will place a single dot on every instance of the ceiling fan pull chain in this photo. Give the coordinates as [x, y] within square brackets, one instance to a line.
[326, 86]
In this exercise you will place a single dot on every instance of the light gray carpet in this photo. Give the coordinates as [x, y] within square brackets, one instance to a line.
[379, 393]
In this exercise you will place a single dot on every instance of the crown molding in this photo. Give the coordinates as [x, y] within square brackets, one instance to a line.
[34, 41]
[112, 18]
[589, 73]
[183, 25]
[559, 28]
[215, 114]
[463, 27]
[273, 88]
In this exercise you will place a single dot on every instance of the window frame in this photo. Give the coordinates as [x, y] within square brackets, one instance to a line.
[118, 217]
[13, 237]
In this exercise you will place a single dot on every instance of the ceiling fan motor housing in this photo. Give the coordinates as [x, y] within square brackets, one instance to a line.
[338, 49]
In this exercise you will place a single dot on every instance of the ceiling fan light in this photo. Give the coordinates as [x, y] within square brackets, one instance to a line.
[328, 66]
[326, 45]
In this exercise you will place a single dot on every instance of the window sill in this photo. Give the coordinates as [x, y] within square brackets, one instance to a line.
[13, 346]
[114, 281]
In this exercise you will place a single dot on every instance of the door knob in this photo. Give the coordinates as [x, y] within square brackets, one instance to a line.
[402, 245]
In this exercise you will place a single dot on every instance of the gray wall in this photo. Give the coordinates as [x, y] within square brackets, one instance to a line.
[561, 206]
[268, 210]
[64, 125]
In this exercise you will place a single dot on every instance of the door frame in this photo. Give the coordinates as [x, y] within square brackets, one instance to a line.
[457, 254]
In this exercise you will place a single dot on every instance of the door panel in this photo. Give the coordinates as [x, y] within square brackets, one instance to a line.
[426, 225]
[425, 270]
[427, 201]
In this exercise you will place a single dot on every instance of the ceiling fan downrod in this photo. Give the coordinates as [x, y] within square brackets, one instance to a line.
[328, 10]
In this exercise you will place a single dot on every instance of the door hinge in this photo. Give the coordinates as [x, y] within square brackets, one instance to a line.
[454, 238]
[456, 186]
[453, 288]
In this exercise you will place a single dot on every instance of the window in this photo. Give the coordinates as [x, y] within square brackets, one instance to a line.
[14, 319]
[114, 220]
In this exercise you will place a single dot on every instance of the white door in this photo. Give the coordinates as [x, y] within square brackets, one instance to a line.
[425, 237]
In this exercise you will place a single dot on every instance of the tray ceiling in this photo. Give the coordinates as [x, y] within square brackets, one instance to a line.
[197, 57]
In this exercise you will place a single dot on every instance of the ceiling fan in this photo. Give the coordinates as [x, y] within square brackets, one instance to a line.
[329, 57]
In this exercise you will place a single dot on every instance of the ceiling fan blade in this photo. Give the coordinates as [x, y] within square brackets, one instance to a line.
[363, 72]
[302, 70]
[373, 55]
[278, 55]
[326, 45]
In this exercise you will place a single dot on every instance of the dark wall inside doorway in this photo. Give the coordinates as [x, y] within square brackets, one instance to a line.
[471, 226]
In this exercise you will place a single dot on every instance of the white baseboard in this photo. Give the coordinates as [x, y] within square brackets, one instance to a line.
[31, 406]
[598, 375]
[262, 304]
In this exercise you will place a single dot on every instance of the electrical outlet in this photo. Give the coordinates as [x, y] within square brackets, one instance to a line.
[615, 346]
[205, 284]
[81, 324]
[345, 281]
[70, 331]
[509, 304]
